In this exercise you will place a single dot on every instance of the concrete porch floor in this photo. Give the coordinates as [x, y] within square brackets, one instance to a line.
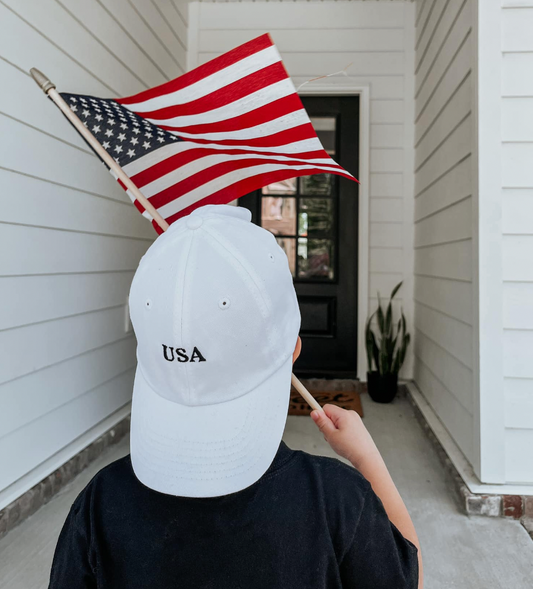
[459, 551]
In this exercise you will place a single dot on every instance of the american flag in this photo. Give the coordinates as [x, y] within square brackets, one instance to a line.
[214, 134]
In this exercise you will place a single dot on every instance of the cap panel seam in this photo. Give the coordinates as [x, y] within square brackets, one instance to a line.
[264, 302]
[188, 255]
[249, 271]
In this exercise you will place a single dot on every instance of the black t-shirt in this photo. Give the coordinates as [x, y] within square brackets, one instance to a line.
[308, 522]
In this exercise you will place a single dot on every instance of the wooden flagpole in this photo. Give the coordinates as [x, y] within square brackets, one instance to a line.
[311, 401]
[49, 88]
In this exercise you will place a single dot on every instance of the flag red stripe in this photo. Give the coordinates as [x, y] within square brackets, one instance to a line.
[180, 159]
[222, 97]
[263, 114]
[279, 139]
[199, 179]
[238, 189]
[139, 206]
[203, 71]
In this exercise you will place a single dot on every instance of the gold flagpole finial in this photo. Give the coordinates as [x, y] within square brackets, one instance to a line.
[42, 81]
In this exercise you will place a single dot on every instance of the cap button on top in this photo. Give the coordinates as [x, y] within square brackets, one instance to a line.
[193, 222]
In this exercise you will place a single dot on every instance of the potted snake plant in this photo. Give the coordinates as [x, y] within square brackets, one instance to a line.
[385, 351]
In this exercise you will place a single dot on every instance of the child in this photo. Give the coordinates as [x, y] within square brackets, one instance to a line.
[209, 496]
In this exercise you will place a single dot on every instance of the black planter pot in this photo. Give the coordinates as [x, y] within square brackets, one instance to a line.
[382, 389]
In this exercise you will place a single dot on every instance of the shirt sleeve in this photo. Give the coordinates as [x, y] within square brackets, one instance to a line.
[379, 556]
[73, 565]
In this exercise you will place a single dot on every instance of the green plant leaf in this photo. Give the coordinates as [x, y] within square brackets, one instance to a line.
[389, 350]
[369, 342]
[403, 349]
[388, 319]
[381, 317]
[396, 289]
[395, 363]
[375, 350]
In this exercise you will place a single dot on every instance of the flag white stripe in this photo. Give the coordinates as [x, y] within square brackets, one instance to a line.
[224, 181]
[283, 123]
[237, 108]
[163, 153]
[204, 163]
[133, 198]
[212, 83]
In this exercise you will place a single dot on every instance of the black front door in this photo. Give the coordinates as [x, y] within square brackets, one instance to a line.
[314, 219]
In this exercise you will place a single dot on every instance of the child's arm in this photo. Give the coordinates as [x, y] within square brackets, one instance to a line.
[346, 434]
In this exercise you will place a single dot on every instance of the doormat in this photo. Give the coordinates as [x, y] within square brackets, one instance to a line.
[341, 392]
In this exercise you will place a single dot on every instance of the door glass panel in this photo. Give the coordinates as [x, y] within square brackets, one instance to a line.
[318, 184]
[316, 217]
[288, 245]
[278, 215]
[325, 129]
[315, 258]
[301, 213]
[281, 187]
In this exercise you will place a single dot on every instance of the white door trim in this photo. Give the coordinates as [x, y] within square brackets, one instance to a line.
[364, 197]
[364, 176]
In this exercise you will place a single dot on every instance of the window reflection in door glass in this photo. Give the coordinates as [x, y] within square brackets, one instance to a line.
[288, 245]
[282, 187]
[317, 184]
[325, 129]
[315, 258]
[278, 215]
[315, 217]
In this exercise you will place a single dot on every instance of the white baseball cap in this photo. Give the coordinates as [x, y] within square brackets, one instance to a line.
[216, 317]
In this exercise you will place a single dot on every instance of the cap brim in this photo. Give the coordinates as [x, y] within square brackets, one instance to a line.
[211, 450]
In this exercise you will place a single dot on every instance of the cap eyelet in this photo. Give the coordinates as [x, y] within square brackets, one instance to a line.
[271, 257]
[224, 303]
[148, 304]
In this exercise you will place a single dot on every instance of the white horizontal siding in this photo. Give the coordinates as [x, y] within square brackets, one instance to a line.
[384, 260]
[61, 383]
[384, 282]
[516, 29]
[55, 206]
[518, 455]
[459, 422]
[268, 16]
[517, 209]
[70, 237]
[317, 38]
[450, 260]
[518, 403]
[443, 237]
[297, 39]
[517, 121]
[46, 251]
[56, 430]
[518, 344]
[34, 297]
[389, 136]
[517, 256]
[451, 186]
[517, 3]
[453, 223]
[386, 210]
[450, 297]
[518, 305]
[514, 82]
